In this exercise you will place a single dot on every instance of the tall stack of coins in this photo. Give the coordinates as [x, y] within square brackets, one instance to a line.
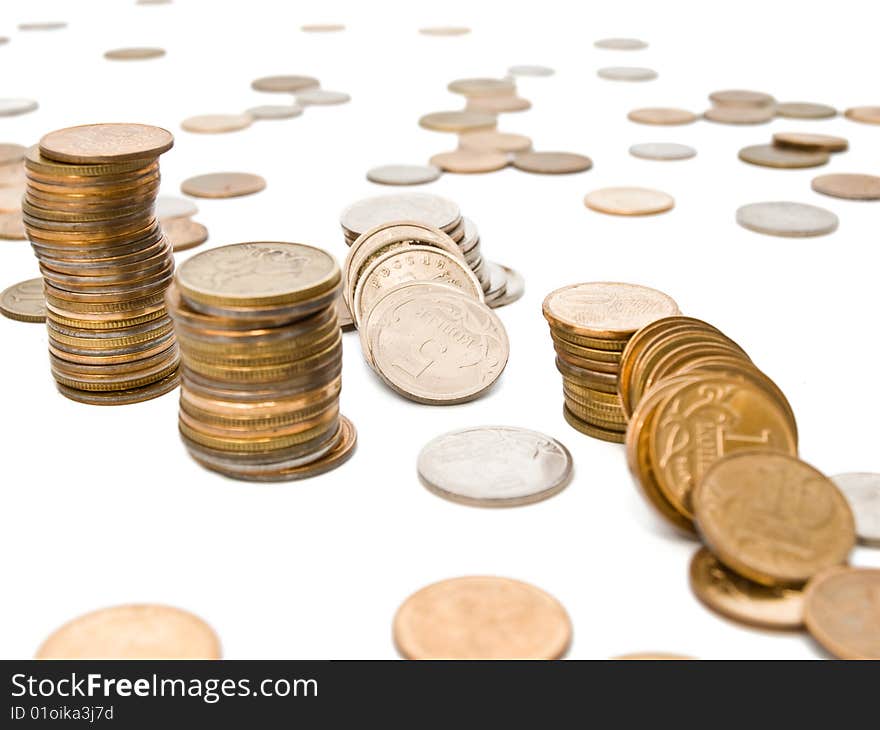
[89, 214]
[590, 325]
[261, 354]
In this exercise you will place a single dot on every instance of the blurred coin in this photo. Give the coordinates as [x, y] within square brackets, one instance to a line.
[403, 174]
[458, 121]
[343, 315]
[629, 201]
[810, 142]
[527, 70]
[470, 161]
[862, 491]
[275, 111]
[445, 30]
[10, 199]
[431, 210]
[289, 84]
[12, 226]
[321, 97]
[842, 612]
[93, 144]
[739, 114]
[741, 97]
[805, 110]
[849, 186]
[14, 107]
[514, 289]
[627, 73]
[134, 54]
[782, 218]
[497, 104]
[4, 40]
[621, 44]
[217, 123]
[482, 87]
[169, 206]
[552, 163]
[662, 151]
[662, 115]
[43, 25]
[866, 114]
[11, 153]
[24, 301]
[322, 28]
[768, 155]
[223, 185]
[184, 233]
[494, 140]
[653, 656]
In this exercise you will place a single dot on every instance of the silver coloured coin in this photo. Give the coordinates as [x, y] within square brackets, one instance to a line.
[420, 207]
[862, 491]
[516, 287]
[170, 206]
[662, 151]
[275, 111]
[782, 218]
[403, 174]
[621, 44]
[14, 107]
[627, 73]
[321, 97]
[527, 70]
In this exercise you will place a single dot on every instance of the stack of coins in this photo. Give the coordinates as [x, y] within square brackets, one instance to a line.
[794, 150]
[590, 325]
[424, 325]
[89, 214]
[261, 354]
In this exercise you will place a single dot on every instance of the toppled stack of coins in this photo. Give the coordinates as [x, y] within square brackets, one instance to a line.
[89, 214]
[424, 326]
[261, 357]
[590, 325]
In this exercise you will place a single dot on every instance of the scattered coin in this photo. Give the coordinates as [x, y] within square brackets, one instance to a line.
[862, 491]
[282, 84]
[403, 174]
[497, 104]
[322, 28]
[653, 656]
[275, 111]
[495, 140]
[93, 144]
[44, 25]
[13, 176]
[24, 301]
[621, 44]
[866, 114]
[528, 70]
[662, 115]
[741, 97]
[223, 185]
[849, 186]
[842, 613]
[10, 199]
[4, 40]
[810, 142]
[11, 154]
[768, 155]
[14, 107]
[740, 114]
[133, 632]
[514, 288]
[629, 201]
[343, 315]
[470, 161]
[134, 54]
[805, 110]
[153, 2]
[12, 226]
[662, 151]
[495, 466]
[627, 73]
[169, 206]
[321, 97]
[481, 617]
[184, 233]
[217, 123]
[735, 597]
[782, 218]
[552, 163]
[482, 87]
[458, 121]
[445, 30]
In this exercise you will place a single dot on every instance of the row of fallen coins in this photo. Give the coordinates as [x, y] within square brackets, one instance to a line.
[794, 150]
[176, 218]
[89, 214]
[500, 284]
[590, 325]
[12, 184]
[261, 361]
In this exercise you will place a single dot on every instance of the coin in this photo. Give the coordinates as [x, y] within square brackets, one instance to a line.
[772, 518]
[14, 107]
[458, 121]
[866, 114]
[217, 123]
[552, 163]
[445, 30]
[494, 140]
[805, 110]
[848, 186]
[98, 143]
[11, 154]
[10, 200]
[740, 114]
[275, 111]
[653, 656]
[142, 631]
[862, 491]
[12, 226]
[621, 44]
[169, 206]
[134, 54]
[321, 97]
[495, 466]
[842, 614]
[530, 70]
[482, 87]
[322, 28]
[810, 142]
[722, 590]
[223, 185]
[343, 315]
[403, 174]
[662, 151]
[782, 218]
[24, 301]
[281, 84]
[515, 287]
[184, 233]
[497, 104]
[768, 155]
[662, 115]
[741, 97]
[629, 201]
[470, 161]
[481, 617]
[424, 208]
[627, 73]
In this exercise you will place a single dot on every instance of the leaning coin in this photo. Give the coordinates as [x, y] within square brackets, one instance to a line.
[862, 491]
[468, 161]
[458, 121]
[742, 98]
[842, 612]
[810, 142]
[783, 218]
[24, 301]
[223, 185]
[495, 466]
[403, 174]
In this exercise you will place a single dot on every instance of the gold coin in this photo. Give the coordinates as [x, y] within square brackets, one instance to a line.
[481, 617]
[482, 87]
[120, 397]
[470, 161]
[848, 186]
[321, 97]
[629, 201]
[24, 301]
[288, 84]
[184, 233]
[741, 98]
[458, 121]
[134, 54]
[768, 155]
[772, 518]
[494, 140]
[552, 163]
[662, 115]
[497, 104]
[866, 114]
[810, 142]
[133, 632]
[842, 612]
[100, 143]
[223, 185]
[740, 114]
[615, 436]
[742, 600]
[805, 110]
[217, 123]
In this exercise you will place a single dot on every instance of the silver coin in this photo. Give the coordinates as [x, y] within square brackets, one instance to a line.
[275, 111]
[420, 207]
[862, 491]
[516, 287]
[14, 107]
[495, 466]
[662, 151]
[321, 97]
[621, 44]
[43, 25]
[526, 70]
[782, 218]
[403, 174]
[627, 73]
[170, 206]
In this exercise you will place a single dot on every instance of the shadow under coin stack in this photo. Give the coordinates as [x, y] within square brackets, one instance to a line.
[261, 356]
[89, 214]
[590, 325]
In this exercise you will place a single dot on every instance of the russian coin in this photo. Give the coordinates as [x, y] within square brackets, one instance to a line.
[494, 140]
[497, 104]
[321, 97]
[741, 97]
[94, 144]
[662, 116]
[457, 121]
[848, 186]
[343, 315]
[810, 142]
[11, 154]
[621, 44]
[530, 70]
[184, 233]
[275, 111]
[322, 28]
[722, 590]
[223, 185]
[24, 301]
[431, 210]
[470, 161]
[866, 114]
[552, 163]
[629, 201]
[862, 491]
[805, 110]
[481, 617]
[772, 518]
[133, 632]
[627, 73]
[282, 84]
[14, 107]
[782, 218]
[217, 123]
[445, 30]
[495, 466]
[662, 151]
[842, 613]
[768, 155]
[515, 287]
[482, 87]
[12, 226]
[740, 114]
[169, 206]
[403, 174]
[134, 54]
[43, 25]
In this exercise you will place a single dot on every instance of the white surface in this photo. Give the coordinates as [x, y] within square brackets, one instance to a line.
[103, 506]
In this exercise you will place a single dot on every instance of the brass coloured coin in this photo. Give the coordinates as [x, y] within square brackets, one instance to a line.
[768, 155]
[495, 141]
[184, 233]
[862, 491]
[99, 143]
[470, 161]
[741, 97]
[629, 201]
[849, 186]
[552, 163]
[810, 142]
[866, 114]
[740, 114]
[805, 110]
[24, 301]
[842, 613]
[217, 123]
[134, 54]
[284, 84]
[223, 185]
[662, 116]
[458, 121]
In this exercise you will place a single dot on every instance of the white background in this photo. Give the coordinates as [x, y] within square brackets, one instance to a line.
[103, 506]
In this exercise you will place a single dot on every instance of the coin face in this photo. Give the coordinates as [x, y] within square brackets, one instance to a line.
[482, 87]
[662, 116]
[24, 301]
[434, 345]
[772, 518]
[281, 84]
[530, 70]
[768, 155]
[495, 466]
[321, 97]
[432, 210]
[14, 107]
[722, 590]
[494, 140]
[552, 163]
[810, 142]
[621, 44]
[470, 161]
[457, 121]
[741, 97]
[842, 613]
[97, 143]
[133, 632]
[223, 185]
[866, 114]
[862, 491]
[662, 151]
[184, 233]
[740, 114]
[134, 54]
[804, 110]
[403, 174]
[170, 206]
[783, 218]
[481, 617]
[217, 123]
[275, 111]
[445, 30]
[627, 73]
[629, 201]
[849, 186]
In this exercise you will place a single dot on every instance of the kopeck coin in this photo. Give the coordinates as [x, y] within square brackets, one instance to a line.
[530, 70]
[134, 54]
[842, 613]
[458, 121]
[849, 186]
[445, 30]
[805, 110]
[98, 143]
[866, 114]
[552, 163]
[223, 185]
[621, 44]
[810, 142]
[482, 87]
[662, 151]
[11, 153]
[275, 111]
[322, 28]
[783, 218]
[217, 123]
[321, 97]
[403, 174]
[627, 73]
[470, 161]
[662, 116]
[862, 491]
[629, 201]
[14, 107]
[170, 206]
[769, 155]
[184, 233]
[742, 98]
[282, 84]
[24, 301]
[494, 140]
[740, 114]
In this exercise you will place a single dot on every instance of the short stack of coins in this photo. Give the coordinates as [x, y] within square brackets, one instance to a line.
[261, 354]
[89, 214]
[591, 324]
